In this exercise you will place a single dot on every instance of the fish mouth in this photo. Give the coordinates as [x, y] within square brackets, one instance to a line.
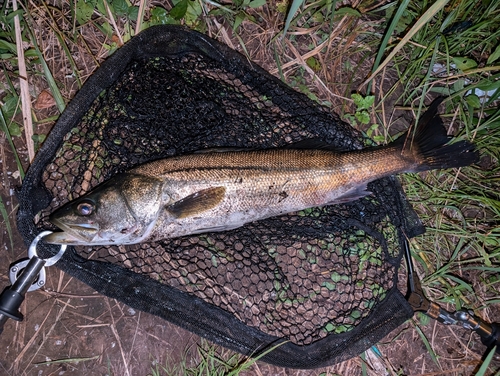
[72, 234]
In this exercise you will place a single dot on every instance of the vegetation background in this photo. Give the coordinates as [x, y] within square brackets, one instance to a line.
[377, 63]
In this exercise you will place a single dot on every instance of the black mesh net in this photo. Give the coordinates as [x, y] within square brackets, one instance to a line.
[322, 282]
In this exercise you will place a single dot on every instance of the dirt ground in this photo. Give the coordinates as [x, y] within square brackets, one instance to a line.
[69, 329]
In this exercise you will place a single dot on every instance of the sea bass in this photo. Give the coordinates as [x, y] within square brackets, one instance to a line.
[217, 191]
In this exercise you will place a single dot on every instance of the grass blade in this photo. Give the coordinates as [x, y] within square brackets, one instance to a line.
[436, 7]
[484, 367]
[61, 105]
[56, 93]
[5, 217]
[5, 129]
[23, 84]
[296, 4]
[387, 36]
[60, 37]
[428, 346]
[425, 87]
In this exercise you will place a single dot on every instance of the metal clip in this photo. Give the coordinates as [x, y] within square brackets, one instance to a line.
[26, 275]
[489, 333]
[21, 265]
[51, 260]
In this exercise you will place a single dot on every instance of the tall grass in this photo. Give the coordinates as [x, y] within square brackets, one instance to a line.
[460, 208]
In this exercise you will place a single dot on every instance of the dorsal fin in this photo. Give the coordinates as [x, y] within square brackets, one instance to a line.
[311, 144]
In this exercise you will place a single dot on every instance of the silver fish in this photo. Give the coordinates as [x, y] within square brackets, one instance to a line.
[217, 191]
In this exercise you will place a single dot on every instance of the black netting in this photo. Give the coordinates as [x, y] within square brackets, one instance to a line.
[323, 279]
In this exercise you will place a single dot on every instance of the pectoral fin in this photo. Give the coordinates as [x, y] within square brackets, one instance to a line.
[197, 202]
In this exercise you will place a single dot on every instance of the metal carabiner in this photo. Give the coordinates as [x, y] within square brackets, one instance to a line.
[51, 260]
[25, 275]
[15, 269]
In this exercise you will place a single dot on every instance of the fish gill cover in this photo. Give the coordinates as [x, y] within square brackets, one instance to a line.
[321, 282]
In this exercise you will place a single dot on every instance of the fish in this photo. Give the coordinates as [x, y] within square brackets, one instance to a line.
[220, 190]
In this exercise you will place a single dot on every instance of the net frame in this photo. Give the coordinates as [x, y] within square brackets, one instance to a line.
[179, 307]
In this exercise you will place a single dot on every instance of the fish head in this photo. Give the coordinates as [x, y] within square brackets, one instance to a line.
[120, 211]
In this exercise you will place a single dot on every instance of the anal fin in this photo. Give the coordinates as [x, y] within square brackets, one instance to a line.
[197, 202]
[351, 195]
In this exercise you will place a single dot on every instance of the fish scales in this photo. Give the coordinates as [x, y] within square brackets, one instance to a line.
[301, 174]
[262, 184]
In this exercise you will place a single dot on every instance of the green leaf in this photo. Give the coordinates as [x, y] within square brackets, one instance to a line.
[473, 101]
[160, 16]
[363, 117]
[5, 130]
[313, 63]
[350, 118]
[56, 93]
[494, 56]
[400, 18]
[120, 7]
[15, 130]
[256, 3]
[489, 85]
[363, 103]
[31, 53]
[442, 90]
[373, 128]
[193, 13]
[84, 10]
[179, 10]
[10, 16]
[133, 13]
[459, 84]
[10, 106]
[487, 361]
[427, 345]
[347, 12]
[107, 29]
[6, 220]
[39, 138]
[238, 19]
[101, 7]
[424, 319]
[422, 21]
[11, 47]
[464, 63]
[158, 13]
[291, 13]
[281, 7]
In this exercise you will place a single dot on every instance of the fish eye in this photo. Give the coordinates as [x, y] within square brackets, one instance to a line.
[85, 208]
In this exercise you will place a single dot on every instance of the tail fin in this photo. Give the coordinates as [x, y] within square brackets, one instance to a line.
[429, 145]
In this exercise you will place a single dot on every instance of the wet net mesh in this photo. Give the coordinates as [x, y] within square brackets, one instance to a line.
[322, 282]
